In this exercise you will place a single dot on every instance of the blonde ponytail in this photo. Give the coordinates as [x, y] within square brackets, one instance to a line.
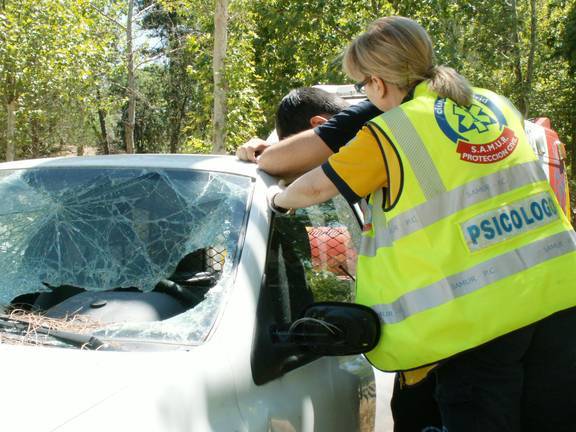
[398, 50]
[450, 84]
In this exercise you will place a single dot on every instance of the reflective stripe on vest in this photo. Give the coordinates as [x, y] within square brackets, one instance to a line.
[477, 277]
[451, 202]
[415, 150]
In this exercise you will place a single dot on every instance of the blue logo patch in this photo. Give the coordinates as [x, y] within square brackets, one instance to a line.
[479, 130]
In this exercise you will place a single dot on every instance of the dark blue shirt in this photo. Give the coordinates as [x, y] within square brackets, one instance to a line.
[344, 126]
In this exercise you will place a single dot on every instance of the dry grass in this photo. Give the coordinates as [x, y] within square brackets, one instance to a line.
[367, 414]
[37, 325]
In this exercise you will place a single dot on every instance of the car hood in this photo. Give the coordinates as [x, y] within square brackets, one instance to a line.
[45, 388]
[64, 390]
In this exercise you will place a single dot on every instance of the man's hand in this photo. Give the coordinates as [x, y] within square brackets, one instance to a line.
[293, 156]
[250, 150]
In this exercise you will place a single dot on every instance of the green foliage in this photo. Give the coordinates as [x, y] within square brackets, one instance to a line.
[300, 44]
[50, 56]
[326, 286]
[150, 133]
[477, 38]
[244, 98]
[568, 46]
[63, 62]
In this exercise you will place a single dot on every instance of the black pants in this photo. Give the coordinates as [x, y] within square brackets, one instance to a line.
[523, 381]
[414, 408]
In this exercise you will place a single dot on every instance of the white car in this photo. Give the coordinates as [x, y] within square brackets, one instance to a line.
[159, 293]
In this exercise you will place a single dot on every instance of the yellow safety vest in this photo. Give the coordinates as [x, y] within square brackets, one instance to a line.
[475, 246]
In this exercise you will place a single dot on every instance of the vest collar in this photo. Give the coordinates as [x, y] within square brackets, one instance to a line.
[418, 90]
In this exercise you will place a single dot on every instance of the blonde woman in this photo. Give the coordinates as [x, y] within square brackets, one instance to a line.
[466, 255]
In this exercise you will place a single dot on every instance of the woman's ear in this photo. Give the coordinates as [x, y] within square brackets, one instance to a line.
[380, 86]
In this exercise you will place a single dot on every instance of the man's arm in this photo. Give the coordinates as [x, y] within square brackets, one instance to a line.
[251, 150]
[355, 171]
[300, 153]
[294, 155]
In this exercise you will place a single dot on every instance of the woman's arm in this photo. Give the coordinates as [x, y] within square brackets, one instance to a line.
[312, 188]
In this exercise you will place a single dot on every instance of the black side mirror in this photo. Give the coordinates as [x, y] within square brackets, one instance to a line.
[333, 329]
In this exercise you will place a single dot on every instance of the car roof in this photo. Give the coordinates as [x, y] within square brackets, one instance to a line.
[218, 163]
[345, 91]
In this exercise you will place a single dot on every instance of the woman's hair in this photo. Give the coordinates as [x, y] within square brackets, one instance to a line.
[398, 50]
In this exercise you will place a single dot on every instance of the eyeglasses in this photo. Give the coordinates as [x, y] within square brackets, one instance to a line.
[359, 86]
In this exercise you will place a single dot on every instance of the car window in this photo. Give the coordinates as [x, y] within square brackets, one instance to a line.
[145, 253]
[312, 257]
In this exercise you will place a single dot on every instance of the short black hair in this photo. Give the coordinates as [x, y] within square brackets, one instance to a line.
[300, 105]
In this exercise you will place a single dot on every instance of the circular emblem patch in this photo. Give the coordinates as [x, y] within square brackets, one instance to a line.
[479, 131]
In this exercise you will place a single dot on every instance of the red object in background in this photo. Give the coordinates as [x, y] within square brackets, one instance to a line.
[552, 152]
[332, 250]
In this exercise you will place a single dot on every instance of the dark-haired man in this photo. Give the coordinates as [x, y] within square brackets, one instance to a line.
[305, 108]
[302, 109]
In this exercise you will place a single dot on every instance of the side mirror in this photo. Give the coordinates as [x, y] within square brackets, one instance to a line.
[333, 329]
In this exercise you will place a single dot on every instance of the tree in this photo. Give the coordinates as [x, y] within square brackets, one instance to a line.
[131, 86]
[182, 88]
[43, 75]
[300, 44]
[135, 11]
[567, 49]
[243, 114]
[176, 24]
[524, 79]
[180, 91]
[219, 68]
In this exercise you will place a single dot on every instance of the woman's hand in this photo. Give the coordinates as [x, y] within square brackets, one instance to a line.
[273, 191]
[312, 188]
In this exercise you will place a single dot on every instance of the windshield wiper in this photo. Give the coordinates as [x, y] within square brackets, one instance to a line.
[76, 339]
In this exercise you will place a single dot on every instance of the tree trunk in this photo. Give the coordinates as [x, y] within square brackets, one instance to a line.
[218, 66]
[527, 88]
[10, 130]
[131, 90]
[10, 105]
[35, 144]
[176, 123]
[517, 57]
[104, 136]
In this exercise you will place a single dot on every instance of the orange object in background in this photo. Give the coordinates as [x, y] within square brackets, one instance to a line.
[332, 250]
[552, 153]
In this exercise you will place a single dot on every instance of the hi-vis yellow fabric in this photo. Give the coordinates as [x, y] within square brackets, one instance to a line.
[474, 245]
[374, 156]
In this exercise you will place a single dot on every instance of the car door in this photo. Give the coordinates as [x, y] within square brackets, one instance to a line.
[311, 257]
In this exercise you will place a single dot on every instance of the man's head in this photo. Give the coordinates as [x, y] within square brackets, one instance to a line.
[304, 108]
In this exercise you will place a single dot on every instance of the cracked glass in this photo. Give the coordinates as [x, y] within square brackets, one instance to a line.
[123, 230]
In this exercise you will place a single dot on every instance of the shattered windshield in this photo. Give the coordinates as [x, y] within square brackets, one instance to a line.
[147, 253]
